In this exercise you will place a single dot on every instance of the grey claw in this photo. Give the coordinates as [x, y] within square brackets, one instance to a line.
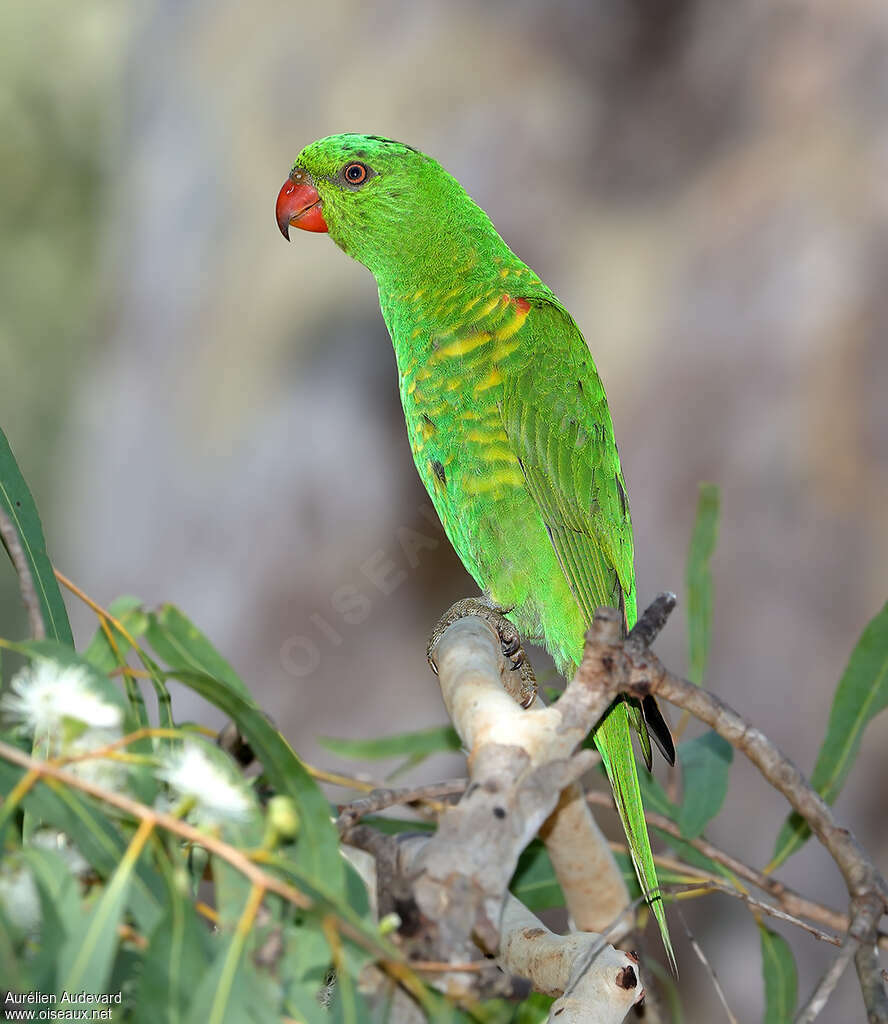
[511, 646]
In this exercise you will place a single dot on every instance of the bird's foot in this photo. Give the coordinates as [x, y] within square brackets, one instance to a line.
[520, 681]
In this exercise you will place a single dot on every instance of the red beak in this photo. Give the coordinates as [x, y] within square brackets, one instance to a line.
[299, 205]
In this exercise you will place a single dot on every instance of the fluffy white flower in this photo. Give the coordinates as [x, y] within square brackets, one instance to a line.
[204, 775]
[60, 843]
[19, 897]
[43, 695]
[107, 772]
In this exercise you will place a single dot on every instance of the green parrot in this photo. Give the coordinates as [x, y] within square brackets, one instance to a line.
[506, 415]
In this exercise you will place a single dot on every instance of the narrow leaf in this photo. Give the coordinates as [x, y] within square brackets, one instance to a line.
[182, 645]
[406, 744]
[18, 504]
[705, 767]
[699, 581]
[16, 976]
[60, 910]
[129, 612]
[654, 798]
[779, 970]
[534, 881]
[861, 694]
[178, 952]
[87, 957]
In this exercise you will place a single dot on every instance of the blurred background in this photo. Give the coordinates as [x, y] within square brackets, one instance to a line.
[210, 416]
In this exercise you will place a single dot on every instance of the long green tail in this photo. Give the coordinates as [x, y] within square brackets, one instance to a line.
[614, 741]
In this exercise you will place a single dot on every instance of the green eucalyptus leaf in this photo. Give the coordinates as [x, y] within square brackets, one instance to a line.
[131, 615]
[699, 581]
[60, 911]
[861, 694]
[182, 645]
[18, 504]
[179, 951]
[416, 746]
[534, 881]
[86, 958]
[705, 770]
[781, 981]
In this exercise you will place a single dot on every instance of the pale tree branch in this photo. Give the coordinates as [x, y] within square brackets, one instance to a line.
[522, 767]
[594, 982]
[9, 536]
[826, 986]
[592, 883]
[519, 762]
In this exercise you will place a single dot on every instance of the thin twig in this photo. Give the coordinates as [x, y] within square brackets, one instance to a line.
[827, 983]
[710, 970]
[338, 779]
[10, 536]
[714, 885]
[378, 799]
[861, 877]
[791, 901]
[641, 673]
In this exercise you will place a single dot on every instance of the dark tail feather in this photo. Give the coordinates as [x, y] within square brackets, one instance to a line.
[658, 728]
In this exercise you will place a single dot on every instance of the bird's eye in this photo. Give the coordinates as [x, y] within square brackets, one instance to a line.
[355, 174]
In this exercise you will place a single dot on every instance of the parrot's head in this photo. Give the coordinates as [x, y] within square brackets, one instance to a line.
[377, 198]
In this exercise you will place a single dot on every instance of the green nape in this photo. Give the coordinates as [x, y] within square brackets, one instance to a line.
[506, 415]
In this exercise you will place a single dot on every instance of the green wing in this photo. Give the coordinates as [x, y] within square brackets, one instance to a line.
[556, 417]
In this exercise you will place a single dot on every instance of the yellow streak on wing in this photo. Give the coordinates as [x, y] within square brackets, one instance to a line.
[490, 305]
[486, 436]
[512, 326]
[499, 453]
[510, 477]
[472, 303]
[490, 381]
[503, 350]
[461, 346]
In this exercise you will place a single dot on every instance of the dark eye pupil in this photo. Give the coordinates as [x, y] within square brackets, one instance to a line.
[355, 172]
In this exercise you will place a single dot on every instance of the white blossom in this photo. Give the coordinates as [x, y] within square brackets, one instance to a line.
[60, 843]
[204, 775]
[19, 897]
[107, 772]
[44, 695]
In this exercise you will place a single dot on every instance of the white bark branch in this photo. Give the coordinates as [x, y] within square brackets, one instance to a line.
[519, 762]
[598, 992]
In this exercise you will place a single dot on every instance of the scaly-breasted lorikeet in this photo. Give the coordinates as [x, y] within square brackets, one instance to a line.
[506, 414]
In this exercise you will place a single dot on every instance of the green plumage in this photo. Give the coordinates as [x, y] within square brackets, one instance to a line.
[506, 415]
